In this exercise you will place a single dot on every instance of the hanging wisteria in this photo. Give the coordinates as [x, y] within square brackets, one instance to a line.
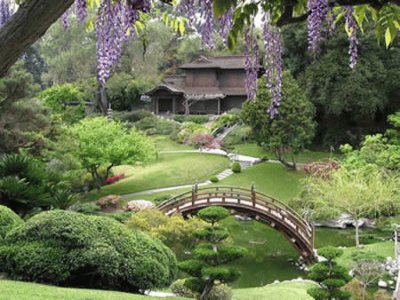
[116, 20]
[352, 27]
[5, 12]
[251, 63]
[226, 23]
[65, 19]
[318, 11]
[273, 63]
[81, 10]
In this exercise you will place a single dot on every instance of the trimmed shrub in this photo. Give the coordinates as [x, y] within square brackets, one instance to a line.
[86, 208]
[134, 116]
[72, 249]
[198, 119]
[8, 221]
[220, 292]
[110, 201]
[214, 179]
[155, 125]
[179, 288]
[236, 168]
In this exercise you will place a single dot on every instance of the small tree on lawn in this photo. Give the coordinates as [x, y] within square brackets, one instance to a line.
[209, 258]
[97, 143]
[360, 193]
[290, 131]
[330, 276]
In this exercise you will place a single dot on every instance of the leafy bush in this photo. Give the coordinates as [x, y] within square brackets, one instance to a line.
[239, 135]
[214, 179]
[187, 130]
[179, 288]
[323, 168]
[121, 217]
[86, 208]
[204, 140]
[8, 221]
[220, 292]
[72, 249]
[110, 201]
[155, 125]
[134, 116]
[198, 119]
[226, 120]
[236, 168]
[115, 178]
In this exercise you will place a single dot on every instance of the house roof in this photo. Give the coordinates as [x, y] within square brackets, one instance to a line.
[218, 62]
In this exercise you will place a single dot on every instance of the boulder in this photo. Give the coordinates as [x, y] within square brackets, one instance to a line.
[138, 205]
[110, 201]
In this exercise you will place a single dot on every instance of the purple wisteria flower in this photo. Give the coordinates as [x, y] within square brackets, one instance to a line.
[188, 7]
[5, 12]
[226, 23]
[251, 63]
[81, 10]
[318, 11]
[273, 63]
[65, 19]
[206, 23]
[352, 28]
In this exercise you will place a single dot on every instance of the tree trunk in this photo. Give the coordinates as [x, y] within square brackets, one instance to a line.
[357, 226]
[207, 289]
[102, 100]
[26, 26]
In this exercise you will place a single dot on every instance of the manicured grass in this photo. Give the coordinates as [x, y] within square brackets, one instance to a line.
[164, 143]
[296, 290]
[253, 149]
[10, 290]
[269, 178]
[168, 170]
[384, 249]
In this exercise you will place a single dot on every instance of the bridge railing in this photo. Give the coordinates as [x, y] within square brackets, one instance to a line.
[242, 195]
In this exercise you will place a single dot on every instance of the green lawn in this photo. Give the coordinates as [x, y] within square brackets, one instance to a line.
[168, 170]
[276, 291]
[253, 149]
[269, 178]
[16, 290]
[383, 249]
[164, 143]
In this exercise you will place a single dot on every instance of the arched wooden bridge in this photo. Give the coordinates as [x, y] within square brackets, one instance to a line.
[255, 205]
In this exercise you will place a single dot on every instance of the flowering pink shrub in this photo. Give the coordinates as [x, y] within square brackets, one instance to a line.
[115, 178]
[322, 168]
[205, 140]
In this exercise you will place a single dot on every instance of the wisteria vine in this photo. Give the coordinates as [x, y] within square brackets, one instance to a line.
[5, 12]
[115, 23]
[352, 28]
[273, 63]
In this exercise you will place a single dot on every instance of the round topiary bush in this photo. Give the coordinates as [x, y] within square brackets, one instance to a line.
[73, 249]
[8, 220]
[214, 179]
[236, 168]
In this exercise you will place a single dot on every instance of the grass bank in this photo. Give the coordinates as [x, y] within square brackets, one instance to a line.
[295, 290]
[10, 290]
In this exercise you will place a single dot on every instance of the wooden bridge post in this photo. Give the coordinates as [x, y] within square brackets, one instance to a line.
[194, 193]
[253, 194]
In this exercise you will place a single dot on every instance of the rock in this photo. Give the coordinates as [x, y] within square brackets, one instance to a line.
[242, 218]
[276, 281]
[345, 220]
[110, 201]
[382, 284]
[138, 205]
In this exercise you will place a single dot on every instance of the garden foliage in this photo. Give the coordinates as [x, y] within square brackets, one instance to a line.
[72, 249]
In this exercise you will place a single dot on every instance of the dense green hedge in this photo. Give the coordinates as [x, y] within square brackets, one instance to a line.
[72, 249]
[8, 220]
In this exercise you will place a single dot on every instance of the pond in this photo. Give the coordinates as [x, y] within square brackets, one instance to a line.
[270, 254]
